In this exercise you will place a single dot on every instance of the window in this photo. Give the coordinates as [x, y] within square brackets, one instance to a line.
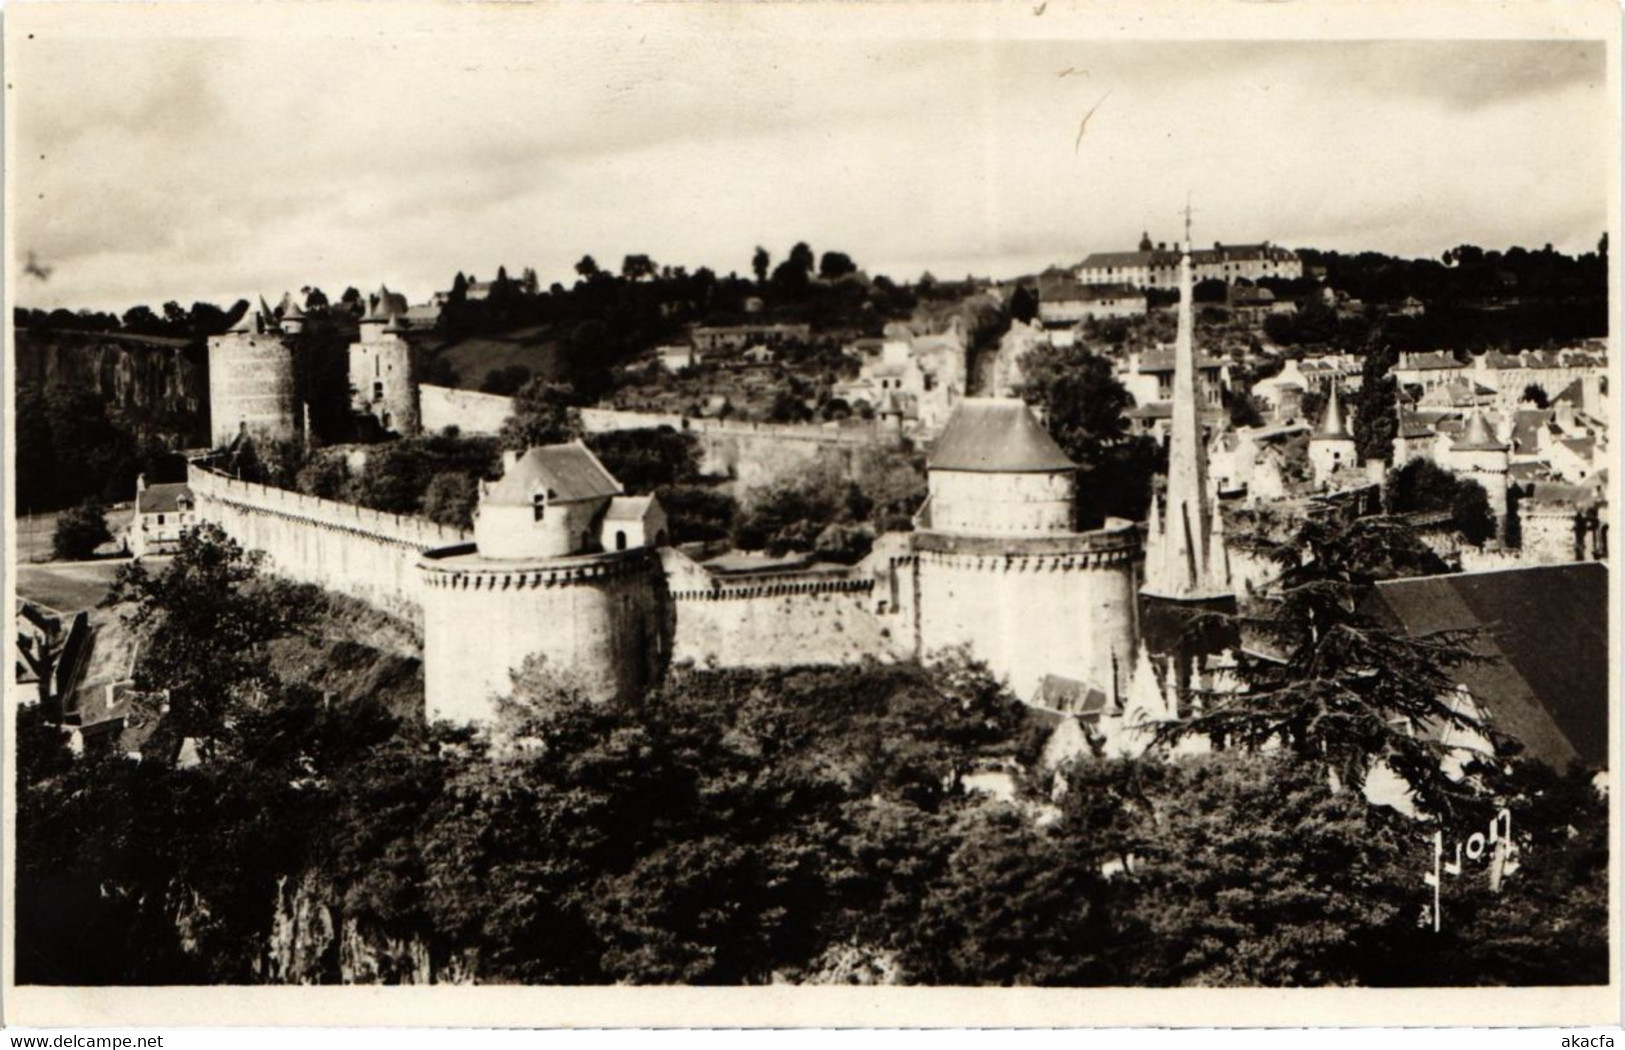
[538, 506]
[160, 519]
[620, 539]
[378, 391]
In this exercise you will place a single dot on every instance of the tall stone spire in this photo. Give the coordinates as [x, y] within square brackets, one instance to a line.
[1183, 562]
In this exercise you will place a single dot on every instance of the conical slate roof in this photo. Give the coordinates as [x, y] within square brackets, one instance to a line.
[1478, 436]
[1332, 426]
[996, 435]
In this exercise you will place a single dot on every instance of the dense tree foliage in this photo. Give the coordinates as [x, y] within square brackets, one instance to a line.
[71, 446]
[1422, 485]
[80, 530]
[1083, 404]
[825, 509]
[1376, 406]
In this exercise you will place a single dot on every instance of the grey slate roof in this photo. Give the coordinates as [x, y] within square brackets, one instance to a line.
[996, 435]
[563, 472]
[1544, 679]
[162, 499]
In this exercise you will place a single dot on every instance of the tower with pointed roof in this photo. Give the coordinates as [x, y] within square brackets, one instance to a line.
[385, 367]
[1331, 446]
[998, 564]
[1479, 453]
[252, 389]
[1183, 561]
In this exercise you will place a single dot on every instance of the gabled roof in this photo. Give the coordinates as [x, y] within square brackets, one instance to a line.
[162, 499]
[628, 508]
[996, 435]
[563, 472]
[1544, 679]
[1163, 361]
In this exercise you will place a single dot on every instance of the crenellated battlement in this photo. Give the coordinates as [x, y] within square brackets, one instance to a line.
[461, 568]
[399, 530]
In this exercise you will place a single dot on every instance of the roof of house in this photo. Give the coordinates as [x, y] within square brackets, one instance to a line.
[1163, 361]
[996, 435]
[1424, 362]
[628, 508]
[1061, 288]
[1544, 679]
[1069, 694]
[1582, 447]
[1526, 425]
[564, 472]
[162, 499]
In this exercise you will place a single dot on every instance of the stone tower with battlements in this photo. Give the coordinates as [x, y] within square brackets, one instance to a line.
[555, 571]
[1000, 568]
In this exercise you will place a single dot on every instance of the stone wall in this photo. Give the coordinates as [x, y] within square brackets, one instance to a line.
[750, 453]
[366, 554]
[470, 412]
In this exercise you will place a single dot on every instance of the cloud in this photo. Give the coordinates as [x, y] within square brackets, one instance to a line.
[212, 167]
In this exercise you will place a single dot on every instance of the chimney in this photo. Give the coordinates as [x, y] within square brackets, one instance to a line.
[140, 484]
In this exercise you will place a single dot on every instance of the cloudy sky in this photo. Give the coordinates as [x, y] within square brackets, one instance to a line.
[216, 166]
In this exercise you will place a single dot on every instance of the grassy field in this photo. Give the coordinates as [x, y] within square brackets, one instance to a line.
[67, 586]
[34, 532]
[473, 358]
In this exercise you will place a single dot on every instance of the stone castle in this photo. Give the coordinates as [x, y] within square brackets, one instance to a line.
[562, 564]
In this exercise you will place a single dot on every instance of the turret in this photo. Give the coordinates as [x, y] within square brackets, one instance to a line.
[1331, 447]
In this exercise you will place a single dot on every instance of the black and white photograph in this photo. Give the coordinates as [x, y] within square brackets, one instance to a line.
[594, 498]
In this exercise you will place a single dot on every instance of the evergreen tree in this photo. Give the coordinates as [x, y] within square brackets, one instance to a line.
[1324, 680]
[1376, 411]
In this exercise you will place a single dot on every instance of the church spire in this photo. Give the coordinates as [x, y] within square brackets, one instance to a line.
[1182, 559]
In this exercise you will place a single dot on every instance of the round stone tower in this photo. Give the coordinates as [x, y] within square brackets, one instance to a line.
[1002, 568]
[538, 580]
[251, 381]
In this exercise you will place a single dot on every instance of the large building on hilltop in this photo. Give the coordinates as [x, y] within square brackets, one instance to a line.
[1158, 266]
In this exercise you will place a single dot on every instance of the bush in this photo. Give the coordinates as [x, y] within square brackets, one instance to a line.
[80, 530]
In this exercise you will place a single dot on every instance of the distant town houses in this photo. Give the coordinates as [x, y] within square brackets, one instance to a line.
[1157, 265]
[733, 339]
[1149, 379]
[916, 377]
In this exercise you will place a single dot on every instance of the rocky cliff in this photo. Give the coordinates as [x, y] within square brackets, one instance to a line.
[313, 942]
[158, 387]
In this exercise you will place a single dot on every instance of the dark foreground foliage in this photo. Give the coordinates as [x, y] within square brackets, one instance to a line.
[744, 826]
